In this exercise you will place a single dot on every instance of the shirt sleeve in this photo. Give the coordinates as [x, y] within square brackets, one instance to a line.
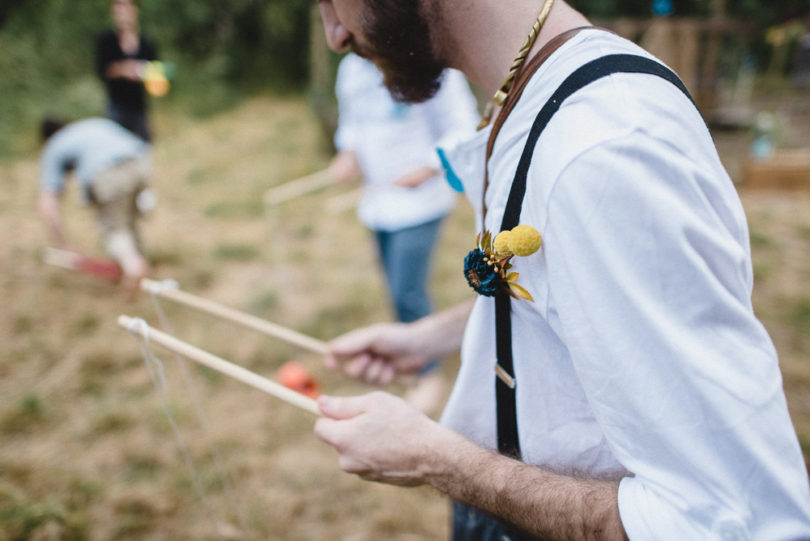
[648, 266]
[347, 129]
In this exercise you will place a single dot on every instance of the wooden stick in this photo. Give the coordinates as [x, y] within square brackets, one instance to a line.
[61, 258]
[220, 365]
[241, 318]
[298, 187]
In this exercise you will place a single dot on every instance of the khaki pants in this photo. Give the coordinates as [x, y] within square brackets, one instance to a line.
[114, 193]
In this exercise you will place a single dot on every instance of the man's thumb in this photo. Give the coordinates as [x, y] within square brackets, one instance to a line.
[341, 407]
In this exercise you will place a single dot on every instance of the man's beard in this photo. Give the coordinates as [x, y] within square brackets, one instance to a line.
[399, 43]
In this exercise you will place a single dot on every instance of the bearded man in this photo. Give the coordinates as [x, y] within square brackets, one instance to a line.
[614, 383]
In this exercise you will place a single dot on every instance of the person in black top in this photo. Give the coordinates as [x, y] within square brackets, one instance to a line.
[120, 56]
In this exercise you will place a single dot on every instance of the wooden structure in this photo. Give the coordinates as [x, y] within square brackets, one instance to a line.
[785, 170]
[691, 47]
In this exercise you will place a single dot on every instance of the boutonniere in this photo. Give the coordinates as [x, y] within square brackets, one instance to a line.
[487, 266]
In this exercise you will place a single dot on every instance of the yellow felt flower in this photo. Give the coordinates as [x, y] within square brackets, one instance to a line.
[501, 244]
[524, 240]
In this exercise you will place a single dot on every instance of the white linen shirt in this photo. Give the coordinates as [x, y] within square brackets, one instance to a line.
[392, 138]
[641, 352]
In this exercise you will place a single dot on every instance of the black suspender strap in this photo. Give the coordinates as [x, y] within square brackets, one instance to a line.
[505, 384]
[506, 406]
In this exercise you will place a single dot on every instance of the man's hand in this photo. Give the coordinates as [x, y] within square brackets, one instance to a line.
[381, 437]
[417, 177]
[377, 354]
[129, 69]
[48, 206]
[344, 166]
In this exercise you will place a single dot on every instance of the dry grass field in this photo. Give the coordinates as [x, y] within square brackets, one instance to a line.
[86, 448]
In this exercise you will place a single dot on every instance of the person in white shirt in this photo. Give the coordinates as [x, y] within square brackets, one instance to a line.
[647, 402]
[392, 145]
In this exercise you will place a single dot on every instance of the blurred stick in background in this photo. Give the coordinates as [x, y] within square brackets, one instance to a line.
[298, 187]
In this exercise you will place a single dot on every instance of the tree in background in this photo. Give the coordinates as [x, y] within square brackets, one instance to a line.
[765, 12]
[221, 48]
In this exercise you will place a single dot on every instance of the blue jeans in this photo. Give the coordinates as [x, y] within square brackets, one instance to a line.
[405, 257]
[470, 524]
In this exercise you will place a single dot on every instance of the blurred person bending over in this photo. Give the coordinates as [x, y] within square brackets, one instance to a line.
[112, 167]
[393, 146]
[638, 396]
[120, 57]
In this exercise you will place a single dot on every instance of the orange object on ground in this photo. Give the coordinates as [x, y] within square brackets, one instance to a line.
[294, 376]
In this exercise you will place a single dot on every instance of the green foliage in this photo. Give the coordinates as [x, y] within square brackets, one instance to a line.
[628, 8]
[763, 13]
[768, 13]
[250, 40]
[222, 48]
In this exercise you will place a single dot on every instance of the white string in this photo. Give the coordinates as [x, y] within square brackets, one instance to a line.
[139, 328]
[155, 288]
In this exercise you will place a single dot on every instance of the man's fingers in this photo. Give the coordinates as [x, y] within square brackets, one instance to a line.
[373, 371]
[331, 362]
[326, 430]
[353, 343]
[356, 368]
[352, 349]
[366, 354]
[388, 374]
[331, 432]
[352, 465]
[340, 408]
